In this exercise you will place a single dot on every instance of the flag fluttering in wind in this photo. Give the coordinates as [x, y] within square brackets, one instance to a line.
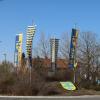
[73, 46]
[18, 49]
[30, 34]
[54, 43]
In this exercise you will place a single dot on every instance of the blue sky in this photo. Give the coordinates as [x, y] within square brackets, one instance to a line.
[50, 16]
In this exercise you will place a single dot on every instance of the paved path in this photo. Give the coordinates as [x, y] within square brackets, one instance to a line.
[50, 98]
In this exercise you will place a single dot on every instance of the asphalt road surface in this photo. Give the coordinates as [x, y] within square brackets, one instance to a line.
[50, 98]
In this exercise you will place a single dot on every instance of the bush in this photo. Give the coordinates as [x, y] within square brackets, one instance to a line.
[13, 82]
[60, 75]
[6, 78]
[97, 88]
[50, 88]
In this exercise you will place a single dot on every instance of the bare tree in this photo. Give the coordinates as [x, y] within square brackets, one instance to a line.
[87, 54]
[64, 46]
[42, 48]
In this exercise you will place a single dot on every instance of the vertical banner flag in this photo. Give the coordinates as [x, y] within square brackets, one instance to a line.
[54, 52]
[30, 35]
[18, 49]
[73, 45]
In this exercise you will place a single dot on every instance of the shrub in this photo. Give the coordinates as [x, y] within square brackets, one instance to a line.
[95, 87]
[60, 75]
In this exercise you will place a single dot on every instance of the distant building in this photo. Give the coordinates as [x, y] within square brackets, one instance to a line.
[61, 63]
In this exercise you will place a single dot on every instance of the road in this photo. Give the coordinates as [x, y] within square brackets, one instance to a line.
[50, 98]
